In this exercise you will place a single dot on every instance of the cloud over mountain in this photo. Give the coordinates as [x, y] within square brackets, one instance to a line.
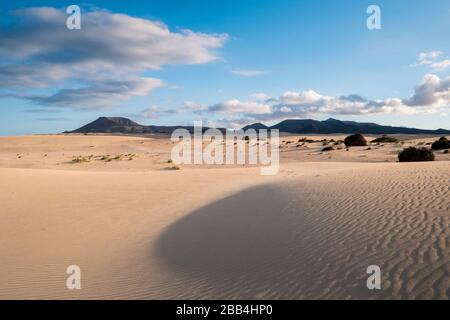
[432, 95]
[432, 91]
[237, 106]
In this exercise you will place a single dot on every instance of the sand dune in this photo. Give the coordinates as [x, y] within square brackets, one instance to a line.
[308, 232]
[314, 238]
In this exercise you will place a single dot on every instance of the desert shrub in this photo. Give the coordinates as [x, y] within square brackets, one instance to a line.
[441, 144]
[446, 151]
[415, 154]
[385, 139]
[355, 140]
[81, 159]
[173, 168]
[329, 148]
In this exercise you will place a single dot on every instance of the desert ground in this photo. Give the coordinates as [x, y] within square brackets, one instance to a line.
[141, 228]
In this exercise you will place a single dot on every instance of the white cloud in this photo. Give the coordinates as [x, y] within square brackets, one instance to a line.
[247, 73]
[99, 95]
[429, 55]
[432, 95]
[430, 59]
[237, 106]
[444, 64]
[285, 109]
[259, 97]
[155, 112]
[432, 91]
[39, 51]
[150, 113]
[106, 39]
[301, 98]
[193, 106]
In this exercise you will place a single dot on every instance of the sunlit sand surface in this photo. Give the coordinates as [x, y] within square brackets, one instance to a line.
[140, 231]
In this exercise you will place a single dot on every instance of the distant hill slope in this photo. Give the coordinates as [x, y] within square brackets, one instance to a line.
[124, 125]
[112, 124]
[256, 126]
[337, 126]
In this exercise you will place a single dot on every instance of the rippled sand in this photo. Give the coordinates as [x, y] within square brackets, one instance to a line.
[139, 231]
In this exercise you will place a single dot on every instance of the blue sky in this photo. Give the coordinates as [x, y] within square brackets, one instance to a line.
[241, 62]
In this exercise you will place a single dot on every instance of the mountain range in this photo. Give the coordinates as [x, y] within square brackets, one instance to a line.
[337, 126]
[124, 125]
[299, 126]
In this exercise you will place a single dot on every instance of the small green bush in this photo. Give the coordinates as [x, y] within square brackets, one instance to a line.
[81, 159]
[355, 140]
[385, 139]
[412, 154]
[441, 144]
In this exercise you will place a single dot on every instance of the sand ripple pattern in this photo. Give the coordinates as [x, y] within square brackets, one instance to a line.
[313, 238]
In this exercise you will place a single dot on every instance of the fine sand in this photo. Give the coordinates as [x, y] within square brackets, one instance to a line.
[140, 230]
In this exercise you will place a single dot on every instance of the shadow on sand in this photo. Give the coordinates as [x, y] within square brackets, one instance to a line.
[242, 240]
[258, 243]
